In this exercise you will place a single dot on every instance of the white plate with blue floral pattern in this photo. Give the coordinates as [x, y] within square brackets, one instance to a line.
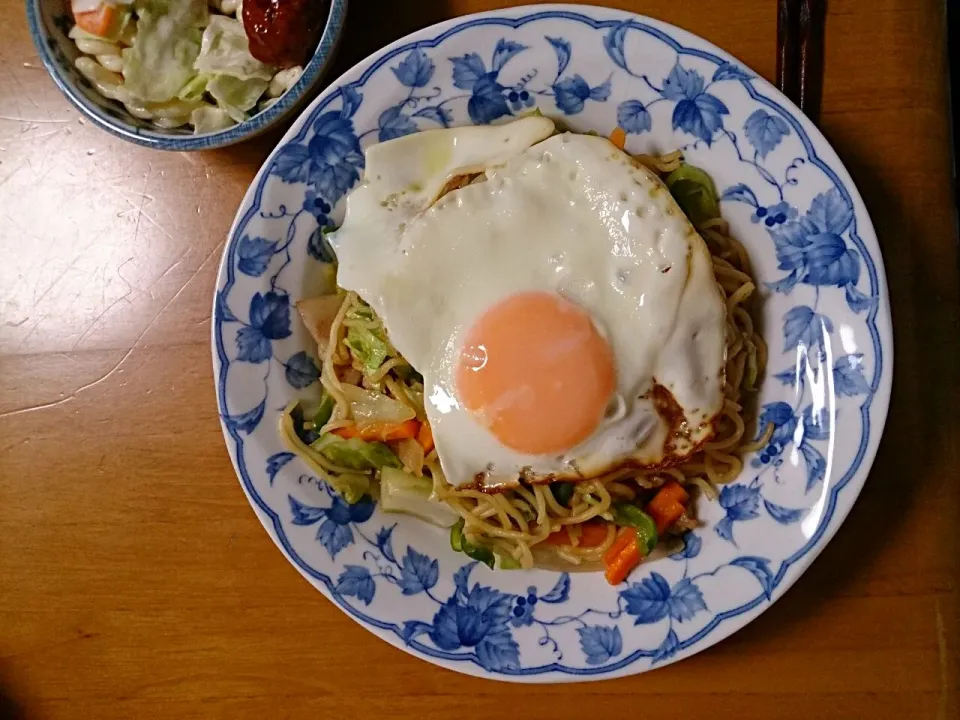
[825, 317]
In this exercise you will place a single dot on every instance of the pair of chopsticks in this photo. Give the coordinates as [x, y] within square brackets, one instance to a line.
[800, 52]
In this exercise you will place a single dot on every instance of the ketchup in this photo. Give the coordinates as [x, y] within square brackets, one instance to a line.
[284, 32]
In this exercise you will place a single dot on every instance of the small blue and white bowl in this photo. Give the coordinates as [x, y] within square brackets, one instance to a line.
[50, 21]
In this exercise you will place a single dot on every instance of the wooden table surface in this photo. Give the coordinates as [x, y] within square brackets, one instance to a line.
[135, 581]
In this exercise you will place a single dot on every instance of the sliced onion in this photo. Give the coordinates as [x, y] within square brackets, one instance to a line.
[370, 407]
[410, 453]
[318, 314]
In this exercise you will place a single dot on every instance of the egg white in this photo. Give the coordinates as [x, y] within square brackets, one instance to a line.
[569, 214]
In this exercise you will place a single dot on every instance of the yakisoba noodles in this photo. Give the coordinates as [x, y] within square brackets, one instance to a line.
[521, 524]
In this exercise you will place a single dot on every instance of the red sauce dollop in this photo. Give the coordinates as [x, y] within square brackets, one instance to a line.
[284, 32]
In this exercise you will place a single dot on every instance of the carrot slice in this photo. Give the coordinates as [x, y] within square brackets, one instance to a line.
[98, 22]
[665, 517]
[625, 554]
[673, 491]
[619, 138]
[618, 567]
[626, 536]
[668, 505]
[425, 437]
[382, 432]
[592, 534]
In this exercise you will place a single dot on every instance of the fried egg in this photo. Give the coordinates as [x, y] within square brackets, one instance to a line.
[561, 308]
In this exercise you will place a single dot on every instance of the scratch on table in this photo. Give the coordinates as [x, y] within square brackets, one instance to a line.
[173, 265]
[123, 192]
[15, 94]
[51, 148]
[65, 130]
[120, 268]
[141, 215]
[23, 92]
[33, 328]
[103, 284]
[127, 354]
[38, 121]
[68, 268]
[33, 138]
[99, 317]
[109, 307]
[12, 446]
[143, 200]
[14, 172]
[71, 358]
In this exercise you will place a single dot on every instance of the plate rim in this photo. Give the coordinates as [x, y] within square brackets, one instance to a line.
[879, 326]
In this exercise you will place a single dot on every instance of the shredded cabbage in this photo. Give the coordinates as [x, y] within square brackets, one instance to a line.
[368, 344]
[351, 486]
[694, 192]
[225, 50]
[194, 89]
[355, 454]
[321, 415]
[368, 348]
[210, 119]
[402, 492]
[369, 407]
[235, 96]
[160, 62]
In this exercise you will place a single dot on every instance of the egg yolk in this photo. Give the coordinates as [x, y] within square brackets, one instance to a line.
[536, 372]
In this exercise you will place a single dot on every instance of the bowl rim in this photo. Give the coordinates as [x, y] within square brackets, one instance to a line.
[157, 138]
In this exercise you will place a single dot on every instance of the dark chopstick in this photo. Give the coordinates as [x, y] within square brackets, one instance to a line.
[811, 56]
[788, 48]
[800, 52]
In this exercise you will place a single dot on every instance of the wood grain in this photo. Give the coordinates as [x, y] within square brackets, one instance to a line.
[135, 582]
